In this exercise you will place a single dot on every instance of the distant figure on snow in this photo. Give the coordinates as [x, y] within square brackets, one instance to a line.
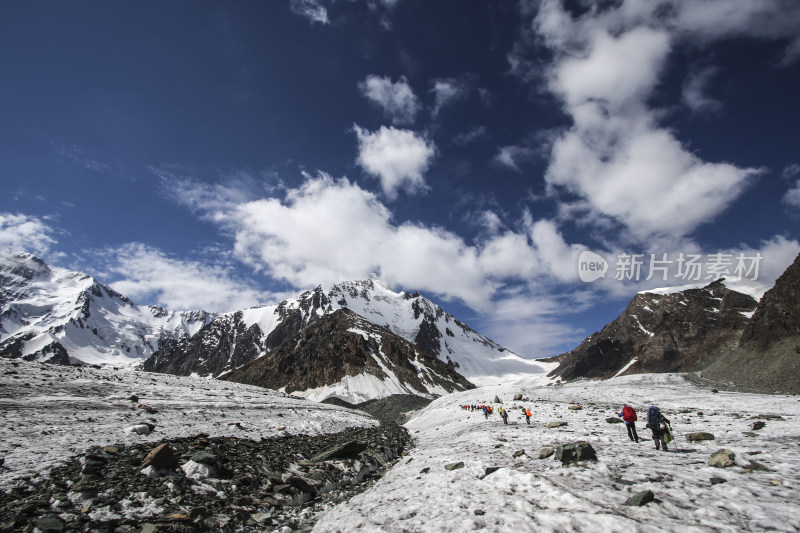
[659, 425]
[504, 414]
[528, 416]
[629, 416]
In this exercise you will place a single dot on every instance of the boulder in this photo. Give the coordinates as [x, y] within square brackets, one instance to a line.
[490, 470]
[347, 449]
[517, 397]
[454, 466]
[497, 399]
[614, 420]
[717, 480]
[575, 451]
[49, 523]
[641, 498]
[162, 457]
[576, 407]
[546, 452]
[758, 424]
[556, 424]
[699, 436]
[518, 453]
[722, 458]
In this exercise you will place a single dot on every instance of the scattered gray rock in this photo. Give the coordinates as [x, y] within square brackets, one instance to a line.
[497, 399]
[722, 458]
[575, 451]
[641, 498]
[614, 420]
[490, 470]
[518, 453]
[770, 417]
[699, 436]
[546, 452]
[758, 424]
[348, 449]
[454, 466]
[717, 480]
[575, 407]
[556, 424]
[479, 512]
[49, 523]
[425, 470]
[517, 397]
[162, 457]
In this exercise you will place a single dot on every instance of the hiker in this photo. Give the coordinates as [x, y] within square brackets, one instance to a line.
[504, 414]
[528, 416]
[629, 416]
[659, 425]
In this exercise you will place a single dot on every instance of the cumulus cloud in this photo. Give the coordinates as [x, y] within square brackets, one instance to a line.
[397, 99]
[19, 232]
[145, 273]
[616, 157]
[398, 158]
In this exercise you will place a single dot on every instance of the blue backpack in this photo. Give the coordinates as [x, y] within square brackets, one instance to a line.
[653, 417]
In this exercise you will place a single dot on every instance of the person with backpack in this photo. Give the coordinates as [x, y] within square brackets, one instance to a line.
[528, 416]
[504, 414]
[659, 425]
[628, 414]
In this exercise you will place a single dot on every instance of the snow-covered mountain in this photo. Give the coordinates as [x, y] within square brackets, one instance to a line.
[233, 340]
[53, 314]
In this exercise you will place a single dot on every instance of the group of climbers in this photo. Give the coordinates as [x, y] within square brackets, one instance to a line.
[659, 424]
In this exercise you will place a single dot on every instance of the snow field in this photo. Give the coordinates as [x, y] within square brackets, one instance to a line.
[49, 413]
[529, 494]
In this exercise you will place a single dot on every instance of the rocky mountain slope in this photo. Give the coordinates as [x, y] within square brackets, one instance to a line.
[52, 314]
[663, 331]
[344, 355]
[768, 355]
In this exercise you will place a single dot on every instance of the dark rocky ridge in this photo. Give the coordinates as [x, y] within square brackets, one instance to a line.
[390, 409]
[257, 486]
[768, 355]
[326, 351]
[676, 332]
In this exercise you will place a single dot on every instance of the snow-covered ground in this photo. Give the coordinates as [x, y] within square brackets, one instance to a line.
[531, 494]
[49, 413]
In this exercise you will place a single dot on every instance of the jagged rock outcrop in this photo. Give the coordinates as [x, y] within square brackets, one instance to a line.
[343, 344]
[658, 332]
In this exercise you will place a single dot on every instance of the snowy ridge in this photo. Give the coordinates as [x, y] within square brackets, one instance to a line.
[745, 286]
[49, 313]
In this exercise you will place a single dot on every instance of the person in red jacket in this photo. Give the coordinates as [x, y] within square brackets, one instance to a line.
[629, 416]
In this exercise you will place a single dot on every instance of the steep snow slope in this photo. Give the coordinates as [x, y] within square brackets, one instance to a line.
[49, 313]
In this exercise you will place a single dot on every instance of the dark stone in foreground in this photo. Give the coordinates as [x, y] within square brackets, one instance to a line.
[575, 451]
[641, 498]
[454, 466]
[699, 436]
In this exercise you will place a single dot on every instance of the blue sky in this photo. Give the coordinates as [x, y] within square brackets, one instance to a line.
[218, 155]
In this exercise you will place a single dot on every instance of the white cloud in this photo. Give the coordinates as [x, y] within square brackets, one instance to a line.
[148, 274]
[513, 156]
[470, 136]
[26, 233]
[792, 196]
[695, 92]
[313, 10]
[447, 91]
[616, 157]
[397, 99]
[397, 157]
